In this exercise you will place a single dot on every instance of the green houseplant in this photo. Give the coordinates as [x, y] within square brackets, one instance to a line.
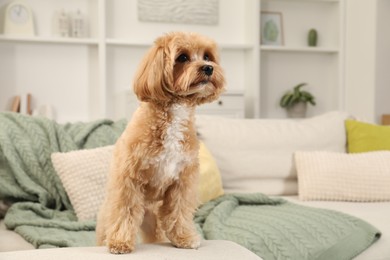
[295, 101]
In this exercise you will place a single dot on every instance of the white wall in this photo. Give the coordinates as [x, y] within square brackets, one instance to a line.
[367, 59]
[360, 58]
[383, 60]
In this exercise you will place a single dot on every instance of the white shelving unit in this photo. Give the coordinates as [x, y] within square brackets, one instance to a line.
[91, 78]
[321, 67]
[21, 39]
[84, 79]
[299, 49]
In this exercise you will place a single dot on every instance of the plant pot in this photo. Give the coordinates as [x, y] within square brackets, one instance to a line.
[312, 38]
[298, 110]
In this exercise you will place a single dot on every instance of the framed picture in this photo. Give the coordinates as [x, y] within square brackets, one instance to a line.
[271, 28]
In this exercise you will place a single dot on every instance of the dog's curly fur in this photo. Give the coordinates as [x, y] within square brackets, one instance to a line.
[153, 178]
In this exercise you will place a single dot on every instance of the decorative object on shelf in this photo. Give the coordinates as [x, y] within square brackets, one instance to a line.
[179, 11]
[25, 104]
[295, 101]
[18, 19]
[44, 111]
[77, 25]
[312, 38]
[22, 104]
[15, 104]
[61, 24]
[386, 119]
[69, 24]
[272, 28]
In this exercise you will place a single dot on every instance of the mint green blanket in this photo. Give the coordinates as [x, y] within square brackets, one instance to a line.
[43, 214]
[277, 229]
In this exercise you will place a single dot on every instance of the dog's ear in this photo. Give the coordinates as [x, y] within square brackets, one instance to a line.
[150, 81]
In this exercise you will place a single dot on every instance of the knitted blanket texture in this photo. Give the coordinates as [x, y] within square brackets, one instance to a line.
[43, 214]
[276, 229]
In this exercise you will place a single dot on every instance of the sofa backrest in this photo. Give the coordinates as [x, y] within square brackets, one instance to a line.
[256, 155]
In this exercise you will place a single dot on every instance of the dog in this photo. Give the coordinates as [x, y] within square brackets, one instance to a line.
[154, 171]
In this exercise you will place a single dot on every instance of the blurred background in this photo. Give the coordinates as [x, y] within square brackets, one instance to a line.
[74, 60]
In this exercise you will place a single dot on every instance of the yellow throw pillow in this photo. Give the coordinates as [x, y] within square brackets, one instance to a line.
[365, 137]
[210, 186]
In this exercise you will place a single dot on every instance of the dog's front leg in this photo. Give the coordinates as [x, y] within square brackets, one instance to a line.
[125, 217]
[179, 204]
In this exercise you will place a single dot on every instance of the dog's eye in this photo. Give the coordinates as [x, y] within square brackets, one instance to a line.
[182, 58]
[206, 57]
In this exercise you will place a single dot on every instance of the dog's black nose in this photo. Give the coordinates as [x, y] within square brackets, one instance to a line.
[208, 70]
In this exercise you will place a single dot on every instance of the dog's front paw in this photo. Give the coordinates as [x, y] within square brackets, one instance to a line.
[191, 241]
[119, 247]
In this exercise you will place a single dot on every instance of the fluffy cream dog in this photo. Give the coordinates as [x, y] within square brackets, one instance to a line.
[153, 180]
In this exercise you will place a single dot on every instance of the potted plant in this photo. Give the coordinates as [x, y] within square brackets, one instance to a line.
[295, 101]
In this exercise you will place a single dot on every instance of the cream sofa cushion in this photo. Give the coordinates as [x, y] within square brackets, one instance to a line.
[256, 155]
[362, 177]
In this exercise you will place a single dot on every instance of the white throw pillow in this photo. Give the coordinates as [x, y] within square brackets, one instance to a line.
[84, 176]
[362, 177]
[256, 155]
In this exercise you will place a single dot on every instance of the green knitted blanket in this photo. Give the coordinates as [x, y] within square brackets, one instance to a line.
[277, 229]
[43, 214]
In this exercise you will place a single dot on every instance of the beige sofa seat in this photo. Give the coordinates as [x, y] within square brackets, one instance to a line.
[209, 250]
[11, 241]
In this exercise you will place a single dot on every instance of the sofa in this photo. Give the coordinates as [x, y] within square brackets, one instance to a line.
[307, 162]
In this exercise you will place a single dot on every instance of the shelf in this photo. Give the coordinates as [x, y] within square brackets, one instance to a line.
[313, 1]
[299, 49]
[233, 93]
[130, 43]
[236, 46]
[55, 40]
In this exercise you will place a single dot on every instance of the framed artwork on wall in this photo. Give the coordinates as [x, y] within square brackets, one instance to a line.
[179, 11]
[271, 28]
